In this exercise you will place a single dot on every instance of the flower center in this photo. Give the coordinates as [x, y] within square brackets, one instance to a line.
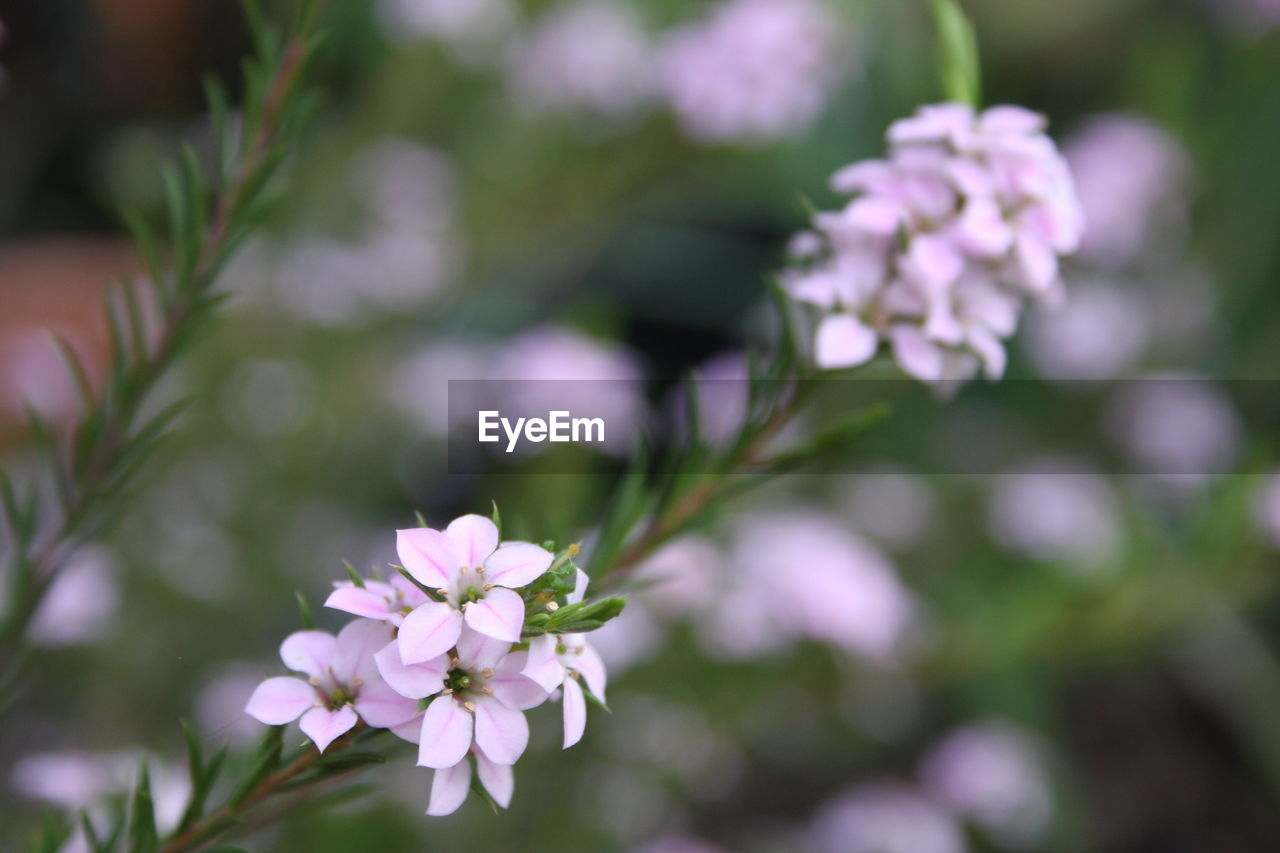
[457, 680]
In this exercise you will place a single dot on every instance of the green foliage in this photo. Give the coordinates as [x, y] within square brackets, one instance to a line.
[211, 208]
[958, 65]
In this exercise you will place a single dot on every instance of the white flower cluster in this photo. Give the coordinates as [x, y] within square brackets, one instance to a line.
[449, 656]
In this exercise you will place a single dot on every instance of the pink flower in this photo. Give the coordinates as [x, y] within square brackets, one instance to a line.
[941, 244]
[1132, 178]
[884, 817]
[385, 601]
[754, 71]
[343, 684]
[474, 574]
[590, 57]
[482, 695]
[993, 773]
[450, 786]
[1266, 508]
[559, 660]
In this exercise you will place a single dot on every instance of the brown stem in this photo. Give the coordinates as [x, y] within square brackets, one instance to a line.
[205, 828]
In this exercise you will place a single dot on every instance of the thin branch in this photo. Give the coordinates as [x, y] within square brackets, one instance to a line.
[106, 441]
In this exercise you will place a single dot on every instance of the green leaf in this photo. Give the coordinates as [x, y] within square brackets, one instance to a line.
[304, 609]
[958, 64]
[142, 834]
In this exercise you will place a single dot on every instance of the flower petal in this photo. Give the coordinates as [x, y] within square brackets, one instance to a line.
[515, 564]
[500, 614]
[501, 732]
[513, 689]
[446, 734]
[474, 537]
[350, 598]
[308, 651]
[410, 729]
[429, 631]
[358, 640]
[843, 340]
[575, 712]
[542, 666]
[381, 707]
[498, 779]
[416, 681]
[587, 661]
[281, 700]
[449, 789]
[324, 726]
[580, 582]
[480, 651]
[915, 353]
[428, 555]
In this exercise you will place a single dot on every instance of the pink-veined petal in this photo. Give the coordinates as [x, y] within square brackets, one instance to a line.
[416, 681]
[381, 707]
[500, 614]
[588, 662]
[843, 340]
[358, 640]
[350, 598]
[428, 555]
[475, 538]
[446, 734]
[575, 712]
[480, 651]
[542, 665]
[515, 564]
[308, 651]
[498, 779]
[449, 789]
[280, 700]
[501, 732]
[428, 632]
[410, 729]
[324, 726]
[513, 689]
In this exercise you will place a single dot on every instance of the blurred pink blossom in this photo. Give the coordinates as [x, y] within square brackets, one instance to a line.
[1248, 16]
[1266, 508]
[1056, 510]
[81, 603]
[1131, 176]
[677, 844]
[890, 506]
[419, 385]
[1099, 334]
[944, 241]
[753, 71]
[993, 773]
[465, 24]
[591, 57]
[884, 817]
[801, 575]
[555, 368]
[1178, 427]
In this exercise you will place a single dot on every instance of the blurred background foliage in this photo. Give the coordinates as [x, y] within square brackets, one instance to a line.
[1108, 644]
